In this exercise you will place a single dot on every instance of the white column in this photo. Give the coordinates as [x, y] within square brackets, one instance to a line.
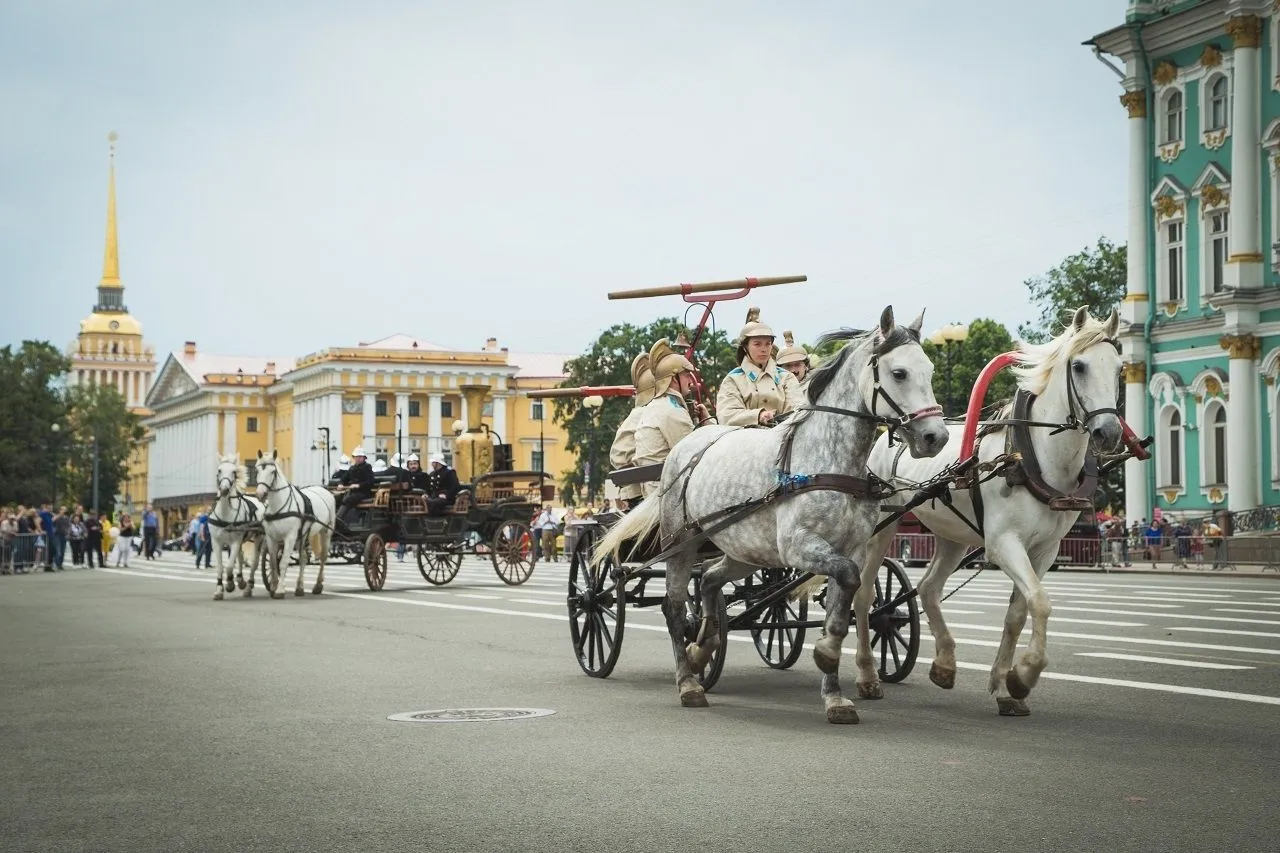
[1242, 421]
[1137, 501]
[402, 409]
[1135, 306]
[205, 472]
[230, 432]
[271, 429]
[434, 427]
[1245, 226]
[369, 426]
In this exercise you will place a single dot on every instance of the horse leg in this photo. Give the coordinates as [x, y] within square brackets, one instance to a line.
[868, 682]
[280, 562]
[237, 560]
[844, 583]
[322, 550]
[253, 566]
[946, 559]
[1012, 684]
[217, 596]
[675, 607]
[304, 546]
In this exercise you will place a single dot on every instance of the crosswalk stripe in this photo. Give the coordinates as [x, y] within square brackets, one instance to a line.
[1199, 664]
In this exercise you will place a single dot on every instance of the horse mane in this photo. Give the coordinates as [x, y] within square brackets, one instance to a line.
[242, 473]
[854, 339]
[1036, 362]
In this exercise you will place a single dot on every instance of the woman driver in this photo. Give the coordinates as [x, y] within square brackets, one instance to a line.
[757, 390]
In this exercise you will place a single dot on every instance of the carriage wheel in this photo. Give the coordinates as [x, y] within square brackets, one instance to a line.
[438, 567]
[375, 562]
[597, 610]
[269, 583]
[512, 553]
[709, 674]
[897, 652]
[779, 647]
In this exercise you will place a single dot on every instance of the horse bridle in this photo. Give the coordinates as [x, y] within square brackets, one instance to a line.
[1074, 399]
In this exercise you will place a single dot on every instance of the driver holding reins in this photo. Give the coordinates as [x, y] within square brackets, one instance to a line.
[357, 482]
[756, 391]
[665, 419]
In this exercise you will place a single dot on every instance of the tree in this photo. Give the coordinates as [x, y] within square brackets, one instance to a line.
[608, 362]
[33, 401]
[1094, 278]
[987, 339]
[99, 412]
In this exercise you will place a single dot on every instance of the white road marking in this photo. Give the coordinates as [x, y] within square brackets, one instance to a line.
[1254, 612]
[1143, 685]
[1134, 640]
[1214, 629]
[477, 595]
[1058, 607]
[1169, 661]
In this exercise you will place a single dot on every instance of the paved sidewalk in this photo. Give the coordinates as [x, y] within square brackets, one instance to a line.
[1243, 570]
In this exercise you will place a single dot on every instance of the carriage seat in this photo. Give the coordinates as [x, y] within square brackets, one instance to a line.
[461, 501]
[637, 474]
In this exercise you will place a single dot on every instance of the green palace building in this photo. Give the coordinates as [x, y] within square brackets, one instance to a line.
[1201, 85]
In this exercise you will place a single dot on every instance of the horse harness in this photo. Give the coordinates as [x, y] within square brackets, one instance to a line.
[306, 514]
[235, 523]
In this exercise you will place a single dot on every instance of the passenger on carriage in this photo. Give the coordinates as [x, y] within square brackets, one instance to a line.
[396, 475]
[795, 359]
[442, 486]
[357, 482]
[623, 452]
[665, 419]
[335, 479]
[757, 390]
[418, 479]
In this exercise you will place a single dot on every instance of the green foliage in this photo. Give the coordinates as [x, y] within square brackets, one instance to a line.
[608, 362]
[99, 411]
[33, 401]
[963, 362]
[1094, 278]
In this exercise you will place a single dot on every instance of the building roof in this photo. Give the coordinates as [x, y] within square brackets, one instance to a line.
[540, 365]
[402, 341]
[199, 365]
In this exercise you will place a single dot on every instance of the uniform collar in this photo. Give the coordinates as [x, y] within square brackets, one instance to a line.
[754, 371]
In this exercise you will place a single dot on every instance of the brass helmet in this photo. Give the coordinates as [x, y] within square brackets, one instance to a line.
[754, 328]
[642, 378]
[666, 363]
[682, 344]
[791, 353]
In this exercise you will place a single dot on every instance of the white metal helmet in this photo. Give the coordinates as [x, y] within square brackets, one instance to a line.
[344, 461]
[413, 457]
[395, 460]
[436, 457]
[357, 451]
[379, 465]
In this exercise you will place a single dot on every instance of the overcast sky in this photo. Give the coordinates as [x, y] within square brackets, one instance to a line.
[296, 175]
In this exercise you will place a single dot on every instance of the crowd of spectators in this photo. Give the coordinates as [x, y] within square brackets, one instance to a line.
[49, 538]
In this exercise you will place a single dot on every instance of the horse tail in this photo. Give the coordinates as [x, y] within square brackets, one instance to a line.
[634, 526]
[808, 588]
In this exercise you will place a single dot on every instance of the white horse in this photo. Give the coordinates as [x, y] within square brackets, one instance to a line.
[293, 517]
[235, 519]
[822, 507]
[1073, 379]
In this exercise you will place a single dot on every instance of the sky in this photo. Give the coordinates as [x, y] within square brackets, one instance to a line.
[298, 175]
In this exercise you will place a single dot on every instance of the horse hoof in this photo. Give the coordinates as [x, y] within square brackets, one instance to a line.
[1014, 684]
[842, 715]
[1012, 707]
[277, 595]
[299, 592]
[874, 690]
[248, 593]
[943, 677]
[217, 596]
[693, 698]
[240, 583]
[824, 661]
[317, 589]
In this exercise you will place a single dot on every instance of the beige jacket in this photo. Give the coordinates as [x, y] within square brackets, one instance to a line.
[663, 422]
[623, 452]
[747, 389]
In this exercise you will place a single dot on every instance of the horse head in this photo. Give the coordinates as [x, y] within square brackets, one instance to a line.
[270, 477]
[1082, 365]
[229, 474]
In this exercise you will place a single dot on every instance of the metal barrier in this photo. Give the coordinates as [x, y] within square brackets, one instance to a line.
[24, 552]
[916, 549]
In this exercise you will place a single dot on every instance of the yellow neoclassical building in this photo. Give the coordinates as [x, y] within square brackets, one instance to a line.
[110, 351]
[397, 394]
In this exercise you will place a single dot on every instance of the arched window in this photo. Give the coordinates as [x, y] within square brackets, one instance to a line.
[1218, 104]
[1216, 464]
[1170, 447]
[1173, 118]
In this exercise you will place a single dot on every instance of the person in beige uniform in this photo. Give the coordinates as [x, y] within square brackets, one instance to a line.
[665, 419]
[623, 452]
[757, 390]
[794, 359]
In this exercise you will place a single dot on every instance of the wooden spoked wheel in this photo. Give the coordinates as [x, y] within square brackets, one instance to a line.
[375, 562]
[597, 609]
[779, 641]
[512, 553]
[709, 674]
[270, 579]
[895, 632]
[438, 567]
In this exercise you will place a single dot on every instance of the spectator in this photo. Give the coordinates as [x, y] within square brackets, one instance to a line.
[8, 541]
[549, 531]
[58, 541]
[1213, 536]
[1154, 535]
[44, 541]
[570, 532]
[1182, 543]
[1115, 539]
[93, 542]
[203, 541]
[150, 533]
[77, 535]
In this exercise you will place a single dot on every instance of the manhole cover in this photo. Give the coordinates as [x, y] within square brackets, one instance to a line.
[470, 715]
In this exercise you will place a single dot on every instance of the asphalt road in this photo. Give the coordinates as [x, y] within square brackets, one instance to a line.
[140, 715]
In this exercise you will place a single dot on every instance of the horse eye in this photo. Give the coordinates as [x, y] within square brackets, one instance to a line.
[1078, 366]
[899, 374]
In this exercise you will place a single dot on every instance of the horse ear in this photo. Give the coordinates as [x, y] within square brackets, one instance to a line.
[917, 323]
[1078, 321]
[259, 454]
[886, 320]
[273, 455]
[1113, 323]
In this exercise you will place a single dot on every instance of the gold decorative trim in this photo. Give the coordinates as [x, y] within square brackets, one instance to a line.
[1241, 346]
[1246, 258]
[1216, 495]
[1212, 195]
[1171, 308]
[1166, 72]
[1245, 31]
[1135, 101]
[1167, 206]
[1214, 139]
[1134, 372]
[1211, 56]
[1142, 297]
[1212, 387]
[1170, 151]
[1170, 495]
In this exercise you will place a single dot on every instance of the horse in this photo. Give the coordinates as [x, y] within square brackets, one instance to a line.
[235, 518]
[292, 517]
[813, 519]
[1071, 384]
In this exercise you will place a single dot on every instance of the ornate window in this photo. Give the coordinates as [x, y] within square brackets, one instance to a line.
[1171, 118]
[1215, 444]
[1217, 252]
[1217, 110]
[1169, 448]
[1173, 261]
[535, 411]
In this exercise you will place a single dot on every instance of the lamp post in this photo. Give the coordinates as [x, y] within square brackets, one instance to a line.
[542, 439]
[326, 445]
[950, 335]
[592, 405]
[54, 429]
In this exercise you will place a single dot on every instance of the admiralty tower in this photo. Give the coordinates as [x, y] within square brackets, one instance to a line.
[109, 349]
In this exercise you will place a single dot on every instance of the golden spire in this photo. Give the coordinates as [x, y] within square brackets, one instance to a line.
[111, 261]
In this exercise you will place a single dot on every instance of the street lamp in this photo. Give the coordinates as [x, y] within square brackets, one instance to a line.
[326, 445]
[950, 335]
[592, 404]
[55, 429]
